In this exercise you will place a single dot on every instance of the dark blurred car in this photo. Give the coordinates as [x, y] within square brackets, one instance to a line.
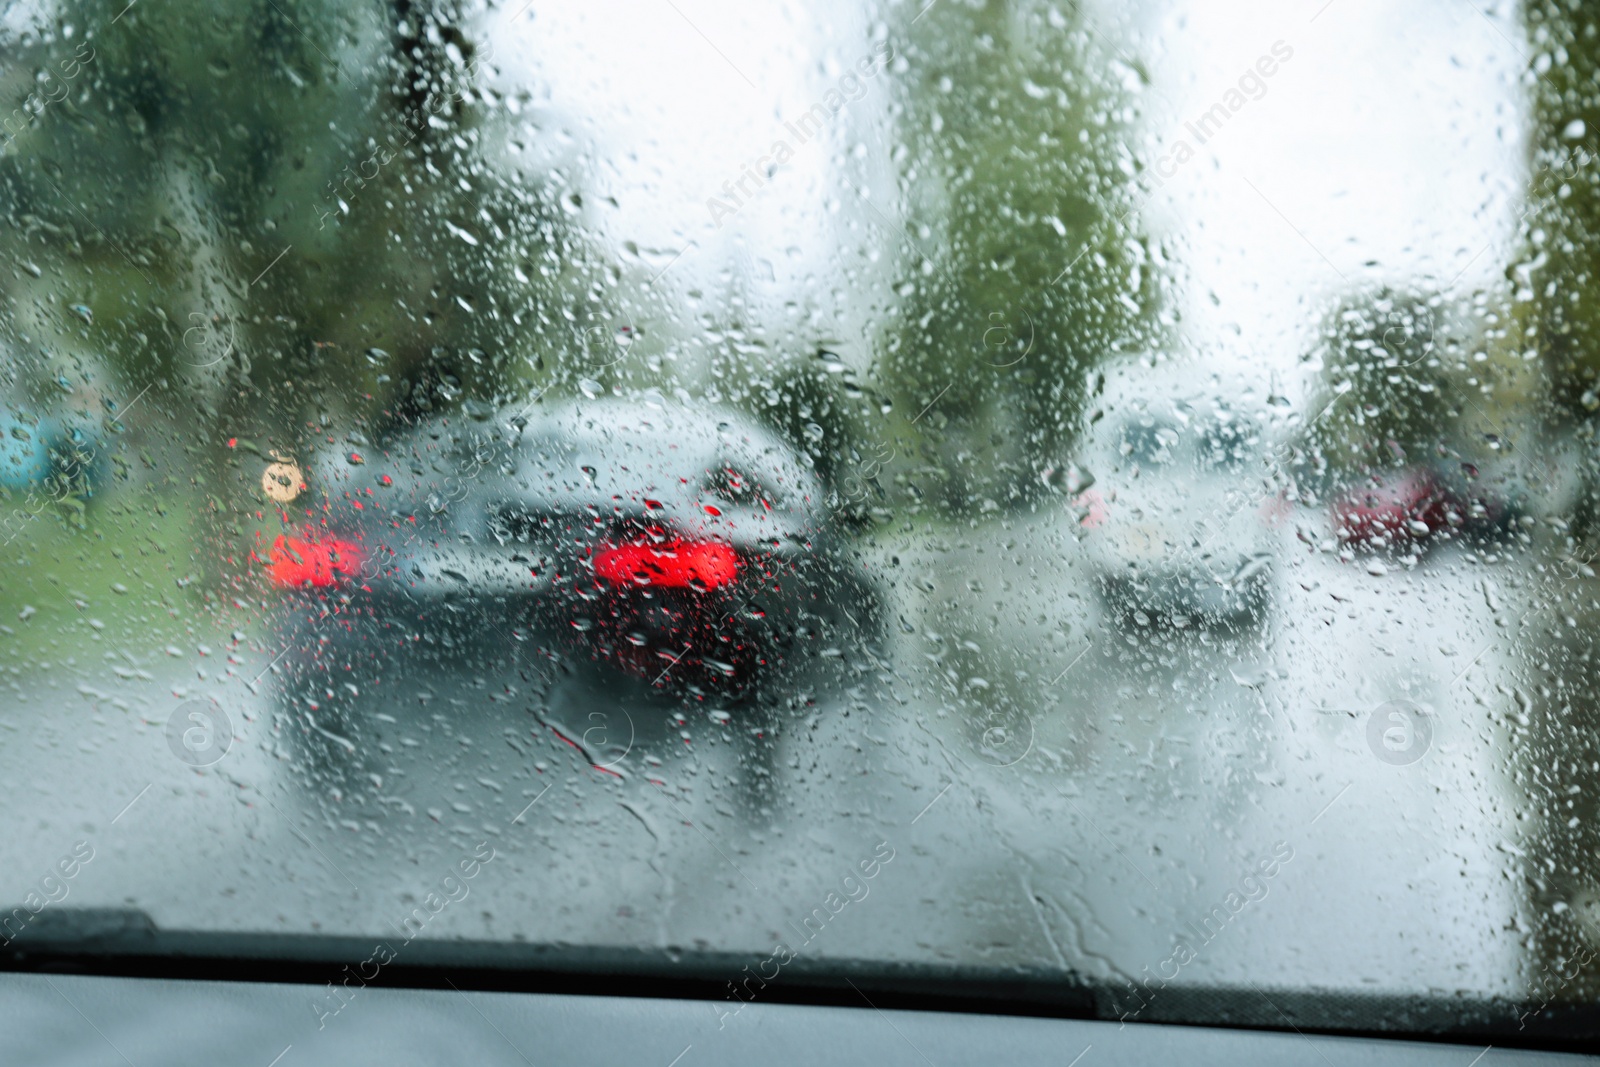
[626, 573]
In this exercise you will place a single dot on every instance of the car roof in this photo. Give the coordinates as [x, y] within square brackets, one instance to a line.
[658, 455]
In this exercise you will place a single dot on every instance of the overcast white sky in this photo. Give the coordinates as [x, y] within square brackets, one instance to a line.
[1388, 149]
[677, 99]
[1392, 141]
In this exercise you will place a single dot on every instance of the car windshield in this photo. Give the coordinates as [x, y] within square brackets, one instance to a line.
[1087, 494]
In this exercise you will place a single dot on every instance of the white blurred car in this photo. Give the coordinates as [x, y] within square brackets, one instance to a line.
[1178, 510]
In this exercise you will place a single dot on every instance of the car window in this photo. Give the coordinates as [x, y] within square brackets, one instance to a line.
[1104, 491]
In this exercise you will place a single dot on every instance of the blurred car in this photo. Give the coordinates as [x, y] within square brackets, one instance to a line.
[613, 568]
[1178, 526]
[1406, 505]
[1415, 505]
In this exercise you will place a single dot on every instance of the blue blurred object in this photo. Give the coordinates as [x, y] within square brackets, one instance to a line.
[24, 453]
[54, 451]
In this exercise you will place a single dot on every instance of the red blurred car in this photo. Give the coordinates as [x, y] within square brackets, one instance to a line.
[1421, 503]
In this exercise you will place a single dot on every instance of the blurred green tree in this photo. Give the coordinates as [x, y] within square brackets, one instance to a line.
[280, 207]
[1027, 269]
[1556, 718]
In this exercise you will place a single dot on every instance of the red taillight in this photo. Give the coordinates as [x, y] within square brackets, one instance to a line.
[676, 564]
[296, 563]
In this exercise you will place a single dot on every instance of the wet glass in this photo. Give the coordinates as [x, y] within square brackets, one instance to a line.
[1098, 492]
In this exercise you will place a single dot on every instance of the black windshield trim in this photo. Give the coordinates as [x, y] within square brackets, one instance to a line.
[127, 944]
